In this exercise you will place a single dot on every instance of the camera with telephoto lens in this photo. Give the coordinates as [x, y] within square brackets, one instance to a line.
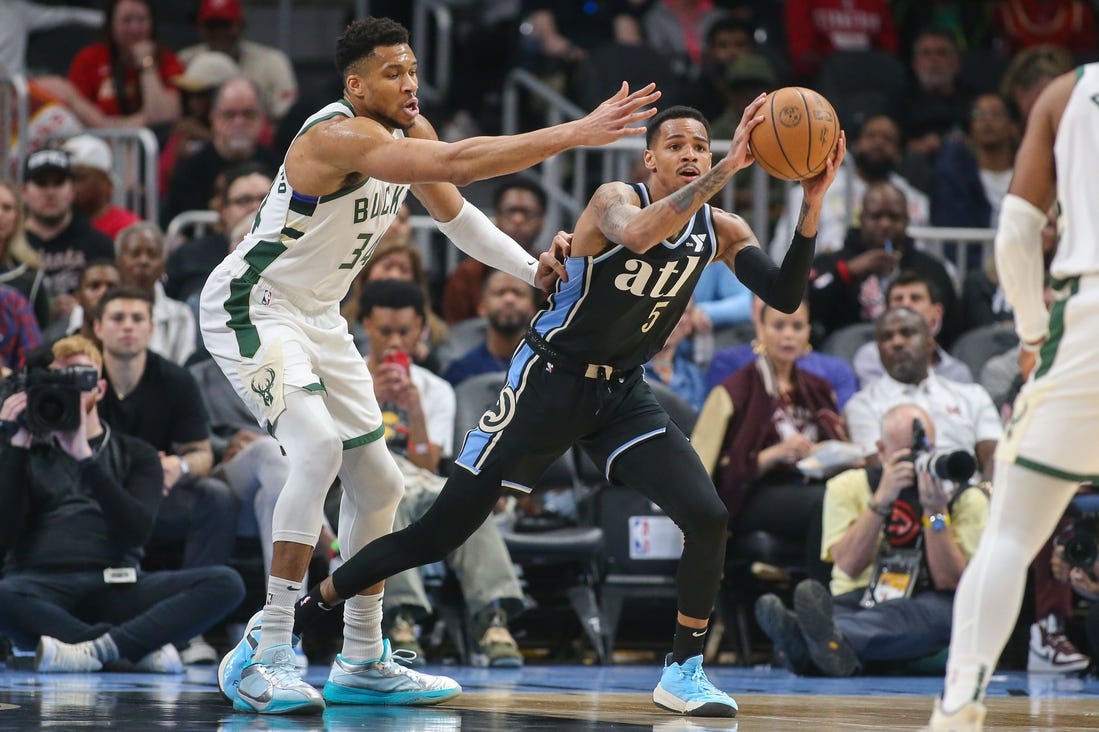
[957, 466]
[1080, 539]
[53, 396]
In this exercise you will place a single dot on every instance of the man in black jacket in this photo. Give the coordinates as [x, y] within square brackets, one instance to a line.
[849, 286]
[77, 506]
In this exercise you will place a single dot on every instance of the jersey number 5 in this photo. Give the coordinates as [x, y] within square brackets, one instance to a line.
[654, 315]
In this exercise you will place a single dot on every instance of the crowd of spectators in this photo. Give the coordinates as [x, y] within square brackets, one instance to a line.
[886, 335]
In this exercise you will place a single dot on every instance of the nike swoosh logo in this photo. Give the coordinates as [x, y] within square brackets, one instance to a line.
[701, 633]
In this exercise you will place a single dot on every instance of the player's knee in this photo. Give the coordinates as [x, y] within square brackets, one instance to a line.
[319, 453]
[708, 523]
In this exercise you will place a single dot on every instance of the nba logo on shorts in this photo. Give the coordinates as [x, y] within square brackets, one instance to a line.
[266, 299]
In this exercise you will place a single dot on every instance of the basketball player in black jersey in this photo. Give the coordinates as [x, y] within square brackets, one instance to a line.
[577, 378]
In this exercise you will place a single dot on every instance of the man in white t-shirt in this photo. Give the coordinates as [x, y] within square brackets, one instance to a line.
[418, 411]
[913, 291]
[221, 23]
[964, 415]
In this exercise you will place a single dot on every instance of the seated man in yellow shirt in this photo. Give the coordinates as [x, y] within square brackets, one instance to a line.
[899, 542]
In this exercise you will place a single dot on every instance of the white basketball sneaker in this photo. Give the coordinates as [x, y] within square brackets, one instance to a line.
[969, 718]
[384, 681]
[271, 685]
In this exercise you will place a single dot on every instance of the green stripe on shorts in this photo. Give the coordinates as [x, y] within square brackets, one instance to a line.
[364, 439]
[1056, 326]
[240, 292]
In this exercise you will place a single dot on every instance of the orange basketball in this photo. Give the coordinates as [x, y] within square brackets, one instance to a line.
[798, 133]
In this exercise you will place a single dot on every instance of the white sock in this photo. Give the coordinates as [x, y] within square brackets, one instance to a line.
[278, 613]
[104, 648]
[966, 681]
[362, 628]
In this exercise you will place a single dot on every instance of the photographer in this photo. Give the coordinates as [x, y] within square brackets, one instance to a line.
[78, 504]
[899, 542]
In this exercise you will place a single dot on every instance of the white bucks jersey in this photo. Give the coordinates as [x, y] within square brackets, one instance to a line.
[1076, 154]
[314, 246]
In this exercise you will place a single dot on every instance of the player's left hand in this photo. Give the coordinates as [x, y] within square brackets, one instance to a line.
[1028, 358]
[551, 267]
[816, 186]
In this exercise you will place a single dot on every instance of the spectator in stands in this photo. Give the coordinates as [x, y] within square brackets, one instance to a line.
[1029, 72]
[678, 29]
[964, 414]
[872, 524]
[834, 370]
[21, 18]
[62, 237]
[1083, 582]
[507, 305]
[758, 423]
[876, 153]
[912, 291]
[126, 81]
[93, 185]
[79, 507]
[675, 369]
[396, 259]
[99, 276]
[849, 286]
[140, 258]
[418, 413]
[236, 119]
[221, 25]
[519, 209]
[154, 399]
[969, 22]
[726, 41]
[816, 28]
[189, 265]
[938, 103]
[19, 264]
[1069, 24]
[19, 332]
[204, 74]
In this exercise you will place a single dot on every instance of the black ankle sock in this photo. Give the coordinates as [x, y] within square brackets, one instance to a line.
[308, 609]
[688, 642]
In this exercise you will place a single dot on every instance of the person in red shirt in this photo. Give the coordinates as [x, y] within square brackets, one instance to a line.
[815, 28]
[1069, 24]
[93, 185]
[127, 81]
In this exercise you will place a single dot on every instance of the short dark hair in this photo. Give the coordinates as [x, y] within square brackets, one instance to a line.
[364, 35]
[394, 294]
[679, 111]
[936, 31]
[729, 25]
[242, 170]
[123, 292]
[97, 262]
[910, 277]
[520, 184]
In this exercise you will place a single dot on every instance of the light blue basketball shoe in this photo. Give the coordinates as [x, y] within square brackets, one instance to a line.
[271, 685]
[233, 663]
[384, 681]
[685, 689]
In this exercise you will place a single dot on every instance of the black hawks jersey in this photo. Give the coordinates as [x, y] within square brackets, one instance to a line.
[619, 307]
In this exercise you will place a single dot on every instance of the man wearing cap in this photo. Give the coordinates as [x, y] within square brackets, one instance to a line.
[63, 237]
[221, 23]
[93, 184]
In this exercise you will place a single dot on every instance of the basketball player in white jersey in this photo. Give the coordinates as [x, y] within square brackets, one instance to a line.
[270, 318]
[1049, 444]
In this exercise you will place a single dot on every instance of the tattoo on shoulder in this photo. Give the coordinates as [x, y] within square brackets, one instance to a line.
[608, 205]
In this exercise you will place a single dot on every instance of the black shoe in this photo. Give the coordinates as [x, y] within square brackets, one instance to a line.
[781, 626]
[830, 651]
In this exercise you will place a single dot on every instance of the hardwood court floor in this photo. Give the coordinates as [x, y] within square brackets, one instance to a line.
[543, 698]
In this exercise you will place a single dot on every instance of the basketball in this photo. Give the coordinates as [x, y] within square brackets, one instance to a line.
[798, 133]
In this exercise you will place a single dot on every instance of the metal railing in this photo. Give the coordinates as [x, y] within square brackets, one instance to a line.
[936, 237]
[14, 113]
[134, 152]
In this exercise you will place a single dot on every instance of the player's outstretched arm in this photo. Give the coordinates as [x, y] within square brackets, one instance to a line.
[781, 287]
[362, 146]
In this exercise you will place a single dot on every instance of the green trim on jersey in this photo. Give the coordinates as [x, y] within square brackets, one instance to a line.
[343, 191]
[292, 233]
[1037, 467]
[346, 103]
[1079, 74]
[1056, 325]
[236, 305]
[260, 256]
[316, 386]
[318, 121]
[302, 207]
[364, 439]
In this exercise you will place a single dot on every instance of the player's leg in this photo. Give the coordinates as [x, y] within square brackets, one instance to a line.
[1026, 506]
[666, 469]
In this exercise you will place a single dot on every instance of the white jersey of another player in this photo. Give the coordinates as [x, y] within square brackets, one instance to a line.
[314, 246]
[1075, 151]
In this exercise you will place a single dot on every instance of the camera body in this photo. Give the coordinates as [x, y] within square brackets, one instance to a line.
[53, 396]
[957, 466]
[1080, 539]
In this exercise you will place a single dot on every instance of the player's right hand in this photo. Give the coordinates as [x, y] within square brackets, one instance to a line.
[618, 116]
